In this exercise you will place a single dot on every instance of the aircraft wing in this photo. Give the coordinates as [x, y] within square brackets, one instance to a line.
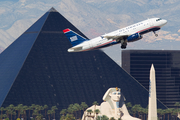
[117, 37]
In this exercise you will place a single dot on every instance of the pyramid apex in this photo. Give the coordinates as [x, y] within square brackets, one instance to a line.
[52, 10]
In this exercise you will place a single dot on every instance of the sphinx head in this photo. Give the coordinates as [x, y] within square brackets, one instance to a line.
[115, 96]
[112, 94]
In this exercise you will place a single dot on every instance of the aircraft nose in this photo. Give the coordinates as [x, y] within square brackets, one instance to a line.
[164, 22]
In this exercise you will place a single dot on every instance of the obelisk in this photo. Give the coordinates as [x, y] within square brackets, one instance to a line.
[152, 109]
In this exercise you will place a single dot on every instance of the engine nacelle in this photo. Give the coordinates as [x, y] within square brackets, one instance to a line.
[134, 37]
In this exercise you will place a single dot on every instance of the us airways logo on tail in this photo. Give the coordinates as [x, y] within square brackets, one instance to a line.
[74, 38]
[123, 36]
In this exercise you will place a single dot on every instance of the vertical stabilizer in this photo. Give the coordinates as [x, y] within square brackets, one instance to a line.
[73, 37]
[152, 110]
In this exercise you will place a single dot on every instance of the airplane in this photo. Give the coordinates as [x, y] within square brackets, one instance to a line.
[128, 34]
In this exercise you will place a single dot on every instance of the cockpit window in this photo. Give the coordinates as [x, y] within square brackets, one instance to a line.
[159, 19]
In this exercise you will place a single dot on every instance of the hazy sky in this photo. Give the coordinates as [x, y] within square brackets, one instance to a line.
[9, 0]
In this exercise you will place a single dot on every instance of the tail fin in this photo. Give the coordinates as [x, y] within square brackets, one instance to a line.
[73, 37]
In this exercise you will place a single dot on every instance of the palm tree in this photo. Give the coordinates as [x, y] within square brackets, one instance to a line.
[174, 113]
[49, 112]
[45, 107]
[84, 106]
[62, 117]
[145, 112]
[37, 108]
[33, 106]
[22, 113]
[134, 109]
[14, 113]
[15, 109]
[138, 109]
[79, 110]
[97, 111]
[89, 111]
[95, 103]
[25, 108]
[18, 108]
[4, 116]
[162, 113]
[30, 108]
[10, 110]
[104, 117]
[159, 113]
[168, 112]
[63, 112]
[70, 109]
[172, 110]
[2, 109]
[39, 117]
[53, 108]
[177, 104]
[128, 105]
[70, 117]
[11, 106]
[98, 118]
[112, 118]
[76, 107]
[41, 109]
[35, 113]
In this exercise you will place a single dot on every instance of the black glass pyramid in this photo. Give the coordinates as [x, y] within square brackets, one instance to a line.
[37, 69]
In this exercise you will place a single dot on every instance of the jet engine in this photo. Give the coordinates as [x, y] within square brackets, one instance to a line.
[134, 37]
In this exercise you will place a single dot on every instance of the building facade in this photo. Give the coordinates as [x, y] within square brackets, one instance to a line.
[167, 67]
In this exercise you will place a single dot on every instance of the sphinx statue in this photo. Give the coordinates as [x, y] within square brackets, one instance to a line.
[113, 106]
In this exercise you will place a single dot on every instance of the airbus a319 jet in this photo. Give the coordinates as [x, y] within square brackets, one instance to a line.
[128, 34]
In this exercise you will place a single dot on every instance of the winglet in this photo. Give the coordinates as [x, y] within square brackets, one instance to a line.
[66, 30]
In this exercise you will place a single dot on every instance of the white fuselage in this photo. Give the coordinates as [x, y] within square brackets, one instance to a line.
[143, 27]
